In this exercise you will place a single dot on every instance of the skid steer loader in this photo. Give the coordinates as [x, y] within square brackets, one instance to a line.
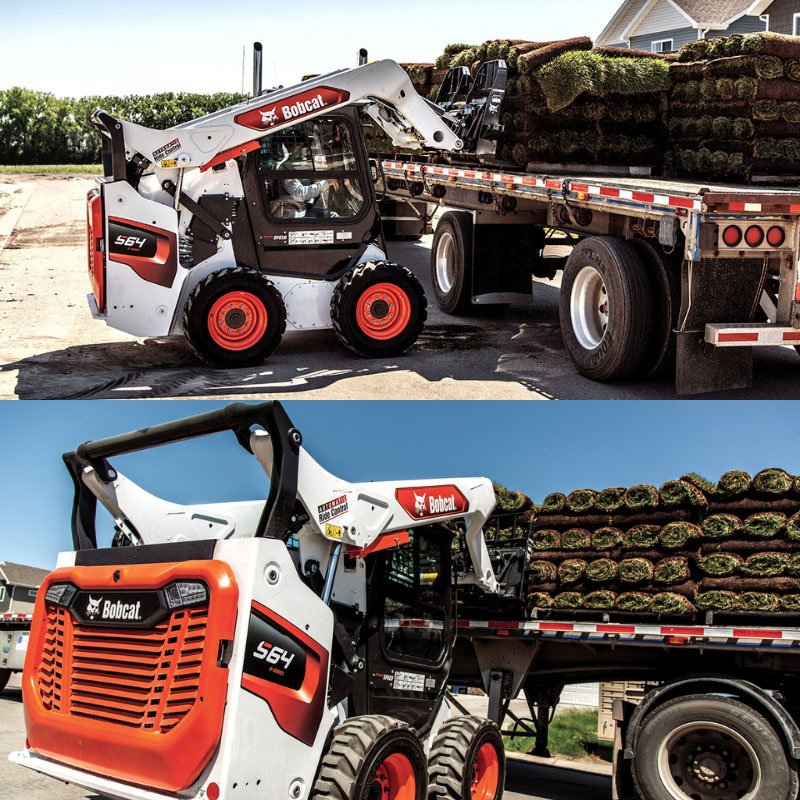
[261, 219]
[290, 648]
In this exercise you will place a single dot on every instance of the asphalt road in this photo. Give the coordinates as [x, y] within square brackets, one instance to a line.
[51, 348]
[527, 779]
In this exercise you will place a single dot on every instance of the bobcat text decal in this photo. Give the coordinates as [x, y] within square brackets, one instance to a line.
[295, 107]
[421, 502]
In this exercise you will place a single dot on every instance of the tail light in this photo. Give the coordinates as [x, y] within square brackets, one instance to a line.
[732, 236]
[754, 236]
[775, 236]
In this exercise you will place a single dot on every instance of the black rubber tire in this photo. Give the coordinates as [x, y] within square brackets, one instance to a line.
[358, 747]
[345, 301]
[622, 348]
[201, 301]
[778, 777]
[659, 358]
[453, 754]
[5, 674]
[458, 226]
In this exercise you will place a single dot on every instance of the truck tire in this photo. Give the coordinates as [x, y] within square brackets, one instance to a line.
[378, 309]
[5, 674]
[659, 356]
[605, 308]
[700, 747]
[467, 761]
[234, 318]
[372, 758]
[451, 262]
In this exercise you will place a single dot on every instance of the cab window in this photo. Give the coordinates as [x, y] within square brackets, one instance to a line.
[309, 171]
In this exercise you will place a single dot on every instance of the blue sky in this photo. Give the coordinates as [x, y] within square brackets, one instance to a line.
[535, 447]
[107, 47]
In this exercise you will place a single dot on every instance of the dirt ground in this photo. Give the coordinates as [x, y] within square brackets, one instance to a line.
[51, 348]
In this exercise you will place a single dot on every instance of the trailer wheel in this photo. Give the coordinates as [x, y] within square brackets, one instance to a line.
[605, 308]
[451, 262]
[5, 674]
[378, 309]
[467, 761]
[234, 318]
[372, 758]
[704, 747]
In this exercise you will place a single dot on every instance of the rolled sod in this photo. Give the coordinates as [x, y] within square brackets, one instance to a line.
[554, 502]
[601, 599]
[720, 564]
[720, 526]
[793, 70]
[539, 600]
[771, 44]
[716, 600]
[509, 500]
[634, 601]
[581, 499]
[576, 539]
[641, 497]
[790, 602]
[572, 570]
[609, 499]
[568, 600]
[641, 537]
[765, 565]
[670, 603]
[606, 538]
[772, 481]
[765, 525]
[602, 571]
[546, 540]
[793, 527]
[703, 484]
[635, 570]
[757, 601]
[677, 493]
[675, 535]
[734, 482]
[542, 571]
[671, 570]
[549, 52]
[794, 564]
[739, 584]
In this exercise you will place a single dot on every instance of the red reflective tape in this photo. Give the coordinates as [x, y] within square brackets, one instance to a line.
[553, 184]
[529, 181]
[792, 336]
[681, 202]
[509, 625]
[644, 197]
[469, 174]
[683, 631]
[738, 337]
[488, 176]
[744, 633]
[605, 192]
[794, 209]
[507, 178]
[463, 623]
[579, 187]
[736, 207]
[438, 171]
[453, 172]
[616, 629]
[556, 626]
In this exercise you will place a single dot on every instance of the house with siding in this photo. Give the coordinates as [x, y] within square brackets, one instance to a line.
[663, 26]
[18, 587]
[781, 16]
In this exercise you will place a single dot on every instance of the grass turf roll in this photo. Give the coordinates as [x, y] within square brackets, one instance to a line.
[790, 602]
[720, 526]
[576, 539]
[609, 499]
[677, 493]
[606, 538]
[602, 570]
[757, 601]
[540, 600]
[510, 500]
[670, 603]
[555, 501]
[765, 565]
[793, 527]
[600, 599]
[542, 571]
[719, 564]
[675, 535]
[581, 499]
[641, 497]
[716, 600]
[572, 570]
[794, 564]
[568, 600]
[765, 525]
[546, 540]
[671, 570]
[733, 482]
[635, 570]
[641, 537]
[772, 481]
[702, 483]
[633, 601]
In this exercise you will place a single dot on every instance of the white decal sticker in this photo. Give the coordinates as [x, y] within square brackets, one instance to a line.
[341, 235]
[22, 642]
[310, 237]
[331, 509]
[409, 681]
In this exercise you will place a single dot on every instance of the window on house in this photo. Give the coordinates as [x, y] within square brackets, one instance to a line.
[661, 46]
[2, 593]
[32, 592]
[796, 24]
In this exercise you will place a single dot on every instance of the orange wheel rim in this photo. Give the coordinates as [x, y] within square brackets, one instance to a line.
[237, 320]
[383, 311]
[485, 773]
[395, 779]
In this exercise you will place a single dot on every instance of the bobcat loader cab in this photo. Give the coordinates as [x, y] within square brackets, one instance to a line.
[260, 219]
[293, 648]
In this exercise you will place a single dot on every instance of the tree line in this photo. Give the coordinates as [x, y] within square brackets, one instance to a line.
[39, 128]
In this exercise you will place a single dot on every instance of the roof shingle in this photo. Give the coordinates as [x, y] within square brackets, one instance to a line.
[713, 12]
[21, 575]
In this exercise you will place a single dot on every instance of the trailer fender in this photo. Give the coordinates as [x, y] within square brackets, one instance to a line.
[745, 691]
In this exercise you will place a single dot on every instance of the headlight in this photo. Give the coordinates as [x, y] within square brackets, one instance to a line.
[61, 594]
[186, 593]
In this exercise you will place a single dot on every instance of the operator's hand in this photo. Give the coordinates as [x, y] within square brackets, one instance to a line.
[334, 184]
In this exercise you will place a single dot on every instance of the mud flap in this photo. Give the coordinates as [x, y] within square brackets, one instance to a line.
[701, 367]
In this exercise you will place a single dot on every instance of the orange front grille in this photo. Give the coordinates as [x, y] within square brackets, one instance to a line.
[146, 679]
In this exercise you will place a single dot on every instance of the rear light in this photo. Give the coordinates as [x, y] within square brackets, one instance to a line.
[775, 236]
[754, 236]
[212, 791]
[732, 236]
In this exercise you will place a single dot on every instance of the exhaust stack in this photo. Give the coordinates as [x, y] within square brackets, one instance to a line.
[362, 56]
[257, 71]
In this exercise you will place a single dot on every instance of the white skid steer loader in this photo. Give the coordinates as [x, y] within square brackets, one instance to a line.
[293, 648]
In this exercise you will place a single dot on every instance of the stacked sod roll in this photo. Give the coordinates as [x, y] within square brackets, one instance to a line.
[734, 108]
[688, 547]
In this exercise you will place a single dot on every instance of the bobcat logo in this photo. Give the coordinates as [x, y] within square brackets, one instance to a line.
[419, 503]
[93, 607]
[269, 117]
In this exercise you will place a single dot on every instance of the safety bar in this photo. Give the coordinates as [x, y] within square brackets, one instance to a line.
[113, 144]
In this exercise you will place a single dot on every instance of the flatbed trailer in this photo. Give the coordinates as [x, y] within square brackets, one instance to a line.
[14, 633]
[663, 274]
